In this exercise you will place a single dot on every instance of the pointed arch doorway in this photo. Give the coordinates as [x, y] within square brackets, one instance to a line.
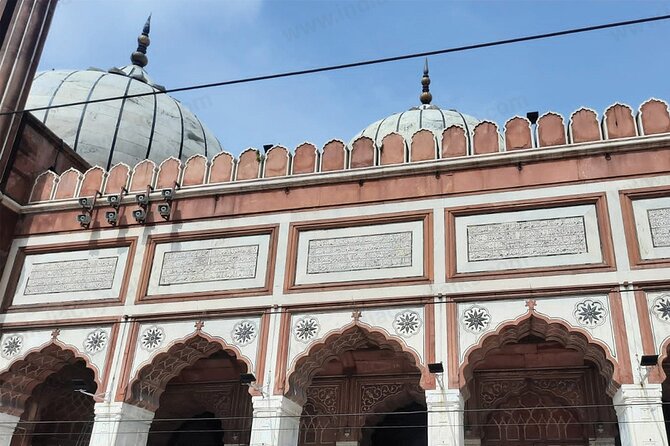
[536, 383]
[359, 388]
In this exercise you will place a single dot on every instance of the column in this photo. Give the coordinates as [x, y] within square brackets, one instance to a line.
[120, 424]
[276, 421]
[7, 425]
[445, 417]
[640, 415]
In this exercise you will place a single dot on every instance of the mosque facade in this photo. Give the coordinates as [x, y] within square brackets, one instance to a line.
[433, 281]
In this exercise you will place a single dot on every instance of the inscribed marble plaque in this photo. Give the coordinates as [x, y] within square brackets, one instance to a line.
[521, 239]
[364, 252]
[209, 265]
[659, 222]
[71, 276]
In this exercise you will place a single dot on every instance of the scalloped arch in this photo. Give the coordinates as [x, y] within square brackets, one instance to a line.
[26, 373]
[151, 379]
[549, 329]
[350, 337]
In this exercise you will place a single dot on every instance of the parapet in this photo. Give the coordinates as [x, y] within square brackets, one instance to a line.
[584, 126]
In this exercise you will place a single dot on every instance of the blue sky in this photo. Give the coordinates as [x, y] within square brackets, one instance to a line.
[200, 41]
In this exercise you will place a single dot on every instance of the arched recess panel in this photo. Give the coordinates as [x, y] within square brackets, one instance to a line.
[277, 162]
[393, 150]
[305, 159]
[423, 146]
[333, 156]
[168, 173]
[454, 142]
[618, 122]
[518, 134]
[551, 130]
[221, 170]
[362, 153]
[248, 166]
[68, 183]
[485, 138]
[654, 117]
[584, 126]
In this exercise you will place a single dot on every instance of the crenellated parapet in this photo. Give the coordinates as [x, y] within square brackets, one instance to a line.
[456, 142]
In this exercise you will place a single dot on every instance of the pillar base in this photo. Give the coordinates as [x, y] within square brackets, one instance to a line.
[640, 415]
[445, 417]
[7, 427]
[120, 424]
[276, 421]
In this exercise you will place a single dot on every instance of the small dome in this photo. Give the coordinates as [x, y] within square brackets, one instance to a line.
[155, 126]
[425, 116]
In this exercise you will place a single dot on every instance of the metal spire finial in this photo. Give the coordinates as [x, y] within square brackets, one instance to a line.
[139, 56]
[425, 97]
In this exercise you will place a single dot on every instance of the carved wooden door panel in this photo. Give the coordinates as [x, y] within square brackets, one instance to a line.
[534, 419]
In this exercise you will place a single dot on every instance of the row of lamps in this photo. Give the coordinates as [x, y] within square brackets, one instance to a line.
[140, 214]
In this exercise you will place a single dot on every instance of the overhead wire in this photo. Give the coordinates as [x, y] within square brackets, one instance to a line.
[283, 309]
[357, 64]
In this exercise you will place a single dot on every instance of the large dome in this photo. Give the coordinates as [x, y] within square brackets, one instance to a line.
[409, 122]
[105, 133]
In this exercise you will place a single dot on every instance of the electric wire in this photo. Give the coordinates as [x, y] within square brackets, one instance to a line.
[283, 309]
[356, 414]
[363, 63]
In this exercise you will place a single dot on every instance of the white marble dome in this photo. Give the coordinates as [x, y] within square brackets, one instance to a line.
[425, 116]
[105, 133]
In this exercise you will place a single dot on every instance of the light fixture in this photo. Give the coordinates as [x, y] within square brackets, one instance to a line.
[167, 194]
[649, 360]
[112, 217]
[114, 200]
[532, 116]
[164, 210]
[140, 215]
[84, 220]
[142, 199]
[436, 367]
[247, 379]
[86, 203]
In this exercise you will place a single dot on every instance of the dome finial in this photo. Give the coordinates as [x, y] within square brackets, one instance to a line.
[425, 97]
[139, 56]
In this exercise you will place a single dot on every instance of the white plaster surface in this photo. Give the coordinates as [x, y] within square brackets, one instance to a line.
[376, 318]
[652, 221]
[72, 275]
[360, 253]
[179, 331]
[561, 309]
[72, 337]
[660, 325]
[528, 239]
[209, 265]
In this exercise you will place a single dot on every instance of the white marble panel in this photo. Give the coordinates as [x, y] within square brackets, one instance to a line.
[652, 222]
[589, 313]
[659, 314]
[360, 253]
[71, 276]
[528, 239]
[91, 342]
[229, 263]
[158, 336]
[406, 324]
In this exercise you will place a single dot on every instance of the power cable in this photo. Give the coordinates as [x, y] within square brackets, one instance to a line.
[360, 63]
[351, 414]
